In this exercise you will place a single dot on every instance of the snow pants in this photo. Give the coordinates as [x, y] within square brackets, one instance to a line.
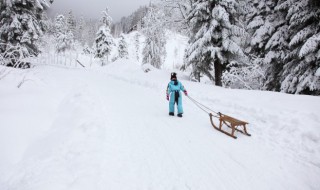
[175, 98]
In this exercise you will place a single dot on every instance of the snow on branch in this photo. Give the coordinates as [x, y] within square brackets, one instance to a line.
[232, 47]
[302, 35]
[311, 45]
[278, 37]
[257, 21]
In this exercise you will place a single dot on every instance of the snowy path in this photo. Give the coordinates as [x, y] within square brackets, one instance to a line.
[111, 130]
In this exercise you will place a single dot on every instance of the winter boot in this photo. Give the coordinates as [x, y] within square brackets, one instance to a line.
[180, 115]
[171, 113]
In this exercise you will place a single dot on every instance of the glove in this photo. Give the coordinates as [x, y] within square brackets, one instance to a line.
[168, 97]
[185, 93]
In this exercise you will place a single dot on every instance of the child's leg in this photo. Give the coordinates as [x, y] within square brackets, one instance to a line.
[180, 109]
[171, 103]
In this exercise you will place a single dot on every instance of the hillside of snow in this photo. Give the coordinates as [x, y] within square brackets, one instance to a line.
[69, 127]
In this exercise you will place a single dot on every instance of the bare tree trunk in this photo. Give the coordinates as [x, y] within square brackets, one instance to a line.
[197, 76]
[218, 73]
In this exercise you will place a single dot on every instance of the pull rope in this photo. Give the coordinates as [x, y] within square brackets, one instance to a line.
[203, 107]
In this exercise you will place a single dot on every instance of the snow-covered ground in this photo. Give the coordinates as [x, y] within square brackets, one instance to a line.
[108, 128]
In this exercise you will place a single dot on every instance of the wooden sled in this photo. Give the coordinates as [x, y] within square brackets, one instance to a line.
[231, 123]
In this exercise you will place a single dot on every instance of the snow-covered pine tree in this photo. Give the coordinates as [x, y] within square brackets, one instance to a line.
[80, 30]
[60, 25]
[123, 47]
[248, 75]
[269, 42]
[302, 63]
[64, 37]
[214, 41]
[71, 23]
[260, 22]
[50, 24]
[154, 51]
[21, 23]
[104, 40]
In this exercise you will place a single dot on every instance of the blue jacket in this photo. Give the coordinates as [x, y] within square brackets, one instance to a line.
[172, 88]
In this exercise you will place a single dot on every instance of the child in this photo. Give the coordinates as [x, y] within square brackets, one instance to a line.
[173, 90]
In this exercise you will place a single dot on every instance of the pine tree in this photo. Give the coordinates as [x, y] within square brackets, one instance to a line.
[154, 51]
[104, 40]
[214, 41]
[21, 23]
[285, 41]
[80, 30]
[123, 47]
[64, 37]
[303, 60]
[71, 23]
[269, 42]
[60, 25]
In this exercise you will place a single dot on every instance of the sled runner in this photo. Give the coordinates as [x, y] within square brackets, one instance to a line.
[231, 123]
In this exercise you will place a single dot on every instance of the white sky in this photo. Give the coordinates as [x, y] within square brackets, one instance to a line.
[93, 8]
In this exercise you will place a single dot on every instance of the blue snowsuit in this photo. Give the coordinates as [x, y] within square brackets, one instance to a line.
[173, 90]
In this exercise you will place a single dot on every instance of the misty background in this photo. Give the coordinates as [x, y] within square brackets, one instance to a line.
[93, 9]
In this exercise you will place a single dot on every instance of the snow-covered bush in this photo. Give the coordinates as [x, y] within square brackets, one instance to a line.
[15, 56]
[248, 76]
[87, 50]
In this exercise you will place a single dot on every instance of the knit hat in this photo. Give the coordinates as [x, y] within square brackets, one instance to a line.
[173, 75]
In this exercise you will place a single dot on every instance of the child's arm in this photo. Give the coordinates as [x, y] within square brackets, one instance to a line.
[183, 89]
[168, 91]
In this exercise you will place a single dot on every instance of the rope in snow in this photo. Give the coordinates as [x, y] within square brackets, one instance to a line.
[203, 107]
